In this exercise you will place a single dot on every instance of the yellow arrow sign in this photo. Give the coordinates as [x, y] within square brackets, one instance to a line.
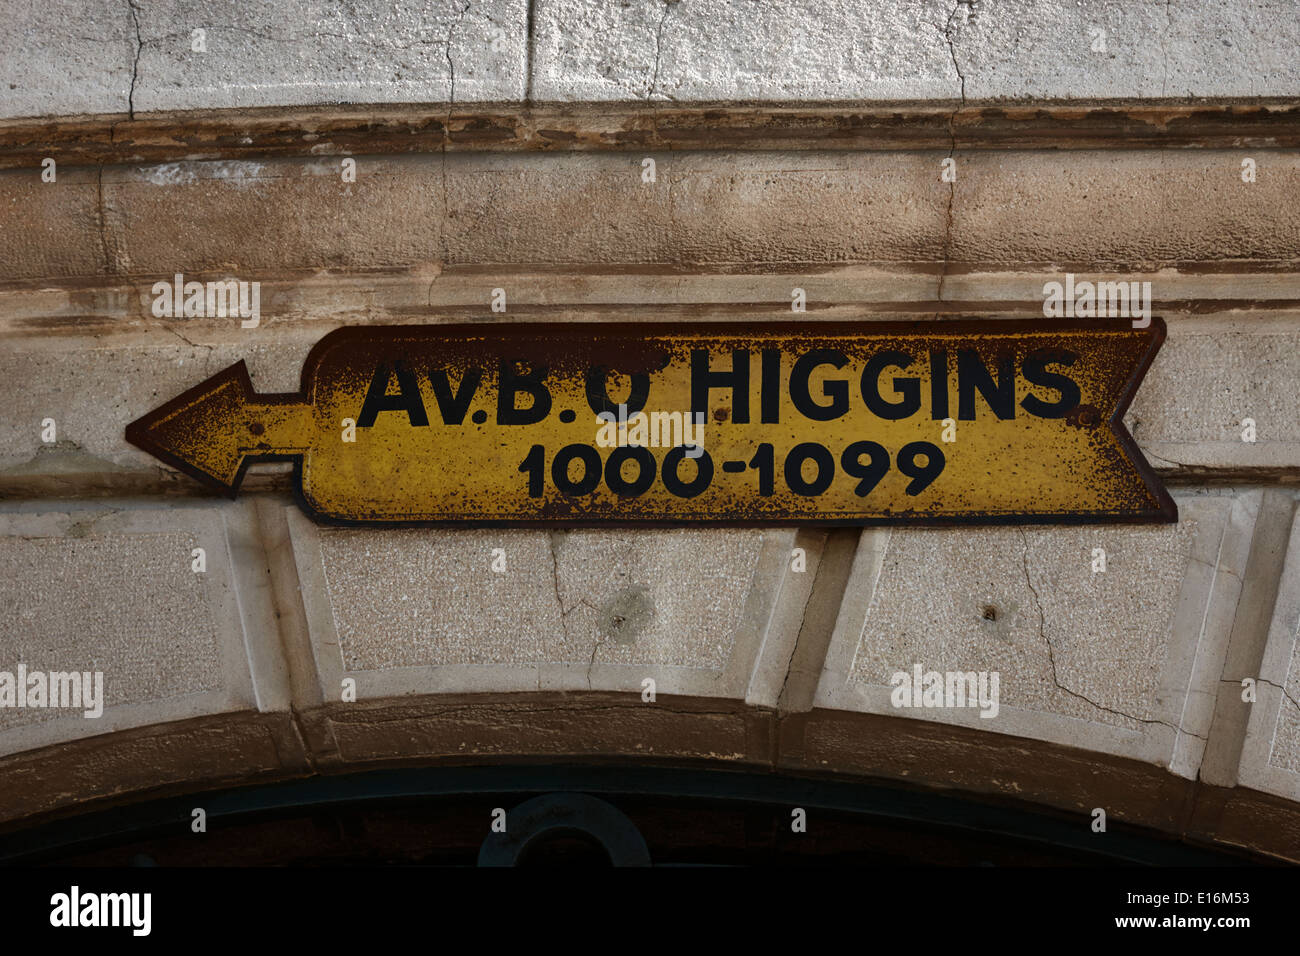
[831, 423]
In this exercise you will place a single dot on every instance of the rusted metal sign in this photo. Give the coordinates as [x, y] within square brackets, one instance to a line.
[863, 423]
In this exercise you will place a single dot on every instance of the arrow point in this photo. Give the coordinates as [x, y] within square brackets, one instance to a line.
[198, 431]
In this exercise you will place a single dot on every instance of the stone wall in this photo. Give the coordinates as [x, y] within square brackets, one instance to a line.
[795, 145]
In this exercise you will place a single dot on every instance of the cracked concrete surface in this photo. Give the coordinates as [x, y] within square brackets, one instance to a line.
[132, 56]
[1121, 660]
[553, 539]
[643, 599]
[265, 53]
[1051, 656]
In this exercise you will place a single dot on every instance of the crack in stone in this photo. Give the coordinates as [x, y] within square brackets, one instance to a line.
[947, 32]
[451, 65]
[659, 42]
[565, 612]
[207, 358]
[529, 45]
[555, 570]
[135, 66]
[83, 526]
[428, 296]
[1161, 459]
[186, 340]
[1051, 656]
[1262, 680]
[446, 130]
[952, 48]
[803, 617]
[592, 661]
[559, 601]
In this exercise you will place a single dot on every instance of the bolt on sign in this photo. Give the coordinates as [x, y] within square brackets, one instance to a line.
[835, 423]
